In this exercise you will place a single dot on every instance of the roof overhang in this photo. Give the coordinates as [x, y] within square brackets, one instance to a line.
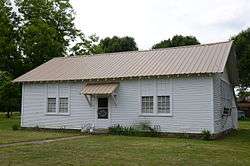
[117, 79]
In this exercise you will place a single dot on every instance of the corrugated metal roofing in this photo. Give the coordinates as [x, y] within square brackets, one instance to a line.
[99, 89]
[208, 58]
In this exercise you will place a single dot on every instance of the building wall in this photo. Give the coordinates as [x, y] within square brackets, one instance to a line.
[191, 105]
[222, 122]
[35, 105]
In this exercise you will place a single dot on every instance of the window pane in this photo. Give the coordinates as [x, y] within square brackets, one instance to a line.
[163, 104]
[102, 113]
[51, 105]
[63, 105]
[147, 104]
[103, 102]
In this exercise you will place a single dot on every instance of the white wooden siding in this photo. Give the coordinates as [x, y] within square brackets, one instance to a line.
[191, 100]
[191, 104]
[222, 123]
[34, 106]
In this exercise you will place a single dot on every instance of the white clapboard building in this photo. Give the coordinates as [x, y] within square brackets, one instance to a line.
[180, 90]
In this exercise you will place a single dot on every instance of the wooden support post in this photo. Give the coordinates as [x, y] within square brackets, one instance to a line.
[89, 100]
[114, 99]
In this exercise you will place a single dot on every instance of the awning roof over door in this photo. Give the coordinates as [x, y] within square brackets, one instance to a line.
[99, 89]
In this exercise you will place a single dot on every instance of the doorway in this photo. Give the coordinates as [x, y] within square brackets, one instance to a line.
[102, 110]
[103, 113]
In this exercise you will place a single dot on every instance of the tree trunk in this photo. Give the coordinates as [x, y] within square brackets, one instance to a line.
[8, 114]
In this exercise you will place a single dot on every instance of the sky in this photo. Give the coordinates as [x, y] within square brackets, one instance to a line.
[150, 21]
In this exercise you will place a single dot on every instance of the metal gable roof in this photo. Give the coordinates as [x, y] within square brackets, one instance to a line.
[207, 58]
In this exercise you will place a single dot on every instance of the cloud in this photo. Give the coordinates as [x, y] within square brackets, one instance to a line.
[150, 21]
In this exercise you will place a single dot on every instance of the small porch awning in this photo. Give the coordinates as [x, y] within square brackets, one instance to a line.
[99, 89]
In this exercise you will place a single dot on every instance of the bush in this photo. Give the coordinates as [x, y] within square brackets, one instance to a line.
[15, 127]
[206, 134]
[140, 129]
[143, 126]
[121, 130]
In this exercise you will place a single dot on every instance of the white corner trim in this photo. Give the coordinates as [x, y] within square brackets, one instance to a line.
[212, 104]
[22, 104]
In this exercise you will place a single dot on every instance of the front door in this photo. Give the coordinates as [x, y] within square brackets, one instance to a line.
[103, 112]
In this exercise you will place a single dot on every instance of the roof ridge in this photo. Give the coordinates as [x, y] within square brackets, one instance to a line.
[157, 49]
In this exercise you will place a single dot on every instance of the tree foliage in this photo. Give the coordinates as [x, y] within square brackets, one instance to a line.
[47, 31]
[10, 94]
[39, 44]
[242, 48]
[177, 40]
[10, 57]
[39, 31]
[86, 46]
[92, 45]
[117, 44]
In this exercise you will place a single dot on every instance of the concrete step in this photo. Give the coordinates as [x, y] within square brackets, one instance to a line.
[101, 131]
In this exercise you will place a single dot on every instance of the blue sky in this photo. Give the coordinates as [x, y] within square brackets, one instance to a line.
[150, 21]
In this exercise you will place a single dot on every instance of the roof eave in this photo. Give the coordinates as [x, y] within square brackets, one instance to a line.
[184, 75]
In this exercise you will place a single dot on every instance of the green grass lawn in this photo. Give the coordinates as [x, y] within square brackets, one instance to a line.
[7, 135]
[124, 150]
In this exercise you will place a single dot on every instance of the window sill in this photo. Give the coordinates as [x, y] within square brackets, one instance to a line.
[155, 115]
[57, 114]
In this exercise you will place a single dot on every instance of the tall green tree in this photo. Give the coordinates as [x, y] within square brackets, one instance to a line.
[10, 57]
[11, 64]
[39, 31]
[86, 46]
[177, 40]
[92, 45]
[117, 44]
[10, 94]
[48, 30]
[242, 48]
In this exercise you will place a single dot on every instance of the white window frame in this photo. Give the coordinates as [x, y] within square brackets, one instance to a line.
[57, 96]
[145, 113]
[155, 107]
[158, 104]
[47, 110]
[59, 104]
[170, 105]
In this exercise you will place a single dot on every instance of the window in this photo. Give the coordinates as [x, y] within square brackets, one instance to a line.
[163, 104]
[58, 100]
[51, 105]
[63, 105]
[147, 104]
[226, 98]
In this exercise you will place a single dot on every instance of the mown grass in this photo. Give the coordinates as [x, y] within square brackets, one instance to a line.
[7, 135]
[124, 150]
